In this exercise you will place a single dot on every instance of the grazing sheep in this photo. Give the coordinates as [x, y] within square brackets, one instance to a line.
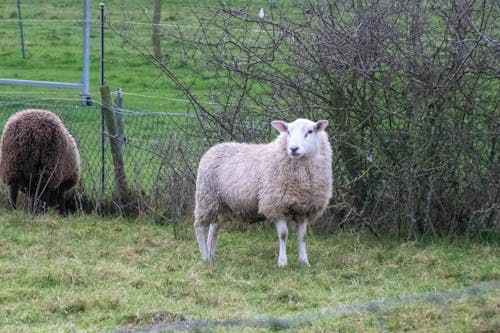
[287, 179]
[39, 157]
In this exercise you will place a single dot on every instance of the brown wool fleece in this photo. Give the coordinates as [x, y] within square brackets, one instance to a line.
[37, 146]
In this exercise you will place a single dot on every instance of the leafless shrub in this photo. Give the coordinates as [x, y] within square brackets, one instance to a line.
[410, 87]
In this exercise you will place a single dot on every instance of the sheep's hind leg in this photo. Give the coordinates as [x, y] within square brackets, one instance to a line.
[60, 196]
[200, 230]
[282, 229]
[43, 202]
[301, 234]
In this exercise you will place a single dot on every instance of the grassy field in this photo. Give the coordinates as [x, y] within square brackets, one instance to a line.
[53, 45]
[53, 38]
[91, 274]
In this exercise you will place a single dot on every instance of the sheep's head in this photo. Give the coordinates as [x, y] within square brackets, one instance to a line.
[302, 136]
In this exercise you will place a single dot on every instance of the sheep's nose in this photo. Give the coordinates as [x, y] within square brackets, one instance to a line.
[294, 149]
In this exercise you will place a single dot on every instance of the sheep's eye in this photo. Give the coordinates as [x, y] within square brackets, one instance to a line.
[308, 132]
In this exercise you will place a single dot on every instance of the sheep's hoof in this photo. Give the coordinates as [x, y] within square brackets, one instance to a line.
[207, 259]
[305, 262]
[282, 263]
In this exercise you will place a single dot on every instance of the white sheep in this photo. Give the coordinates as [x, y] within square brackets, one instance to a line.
[287, 179]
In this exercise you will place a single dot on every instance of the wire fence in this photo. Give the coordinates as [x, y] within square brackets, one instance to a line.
[443, 305]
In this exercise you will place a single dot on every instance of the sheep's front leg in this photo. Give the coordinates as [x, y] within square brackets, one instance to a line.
[213, 232]
[62, 202]
[301, 235]
[200, 236]
[14, 187]
[282, 229]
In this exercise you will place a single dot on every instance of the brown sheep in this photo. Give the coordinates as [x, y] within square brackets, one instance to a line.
[39, 157]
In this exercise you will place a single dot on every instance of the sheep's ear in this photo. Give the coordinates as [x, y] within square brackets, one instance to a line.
[280, 125]
[321, 125]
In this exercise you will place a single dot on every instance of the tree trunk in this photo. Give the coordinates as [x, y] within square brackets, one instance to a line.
[120, 177]
[156, 29]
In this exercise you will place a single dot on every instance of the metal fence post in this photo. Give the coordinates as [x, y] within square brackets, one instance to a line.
[103, 157]
[86, 99]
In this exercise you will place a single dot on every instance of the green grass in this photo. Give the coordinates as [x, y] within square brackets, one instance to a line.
[94, 274]
[54, 52]
[53, 47]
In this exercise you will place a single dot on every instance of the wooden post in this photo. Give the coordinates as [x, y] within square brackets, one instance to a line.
[114, 141]
[118, 102]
